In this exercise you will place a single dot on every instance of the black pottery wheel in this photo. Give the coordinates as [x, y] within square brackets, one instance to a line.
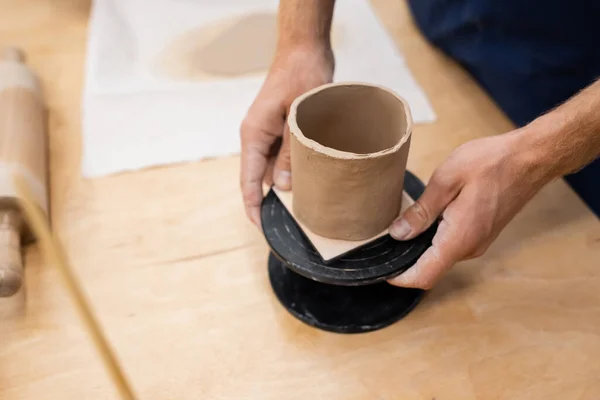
[348, 294]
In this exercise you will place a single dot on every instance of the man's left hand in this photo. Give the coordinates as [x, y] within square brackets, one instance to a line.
[476, 192]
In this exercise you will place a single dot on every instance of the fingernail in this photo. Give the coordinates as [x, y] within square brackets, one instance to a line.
[400, 280]
[283, 179]
[400, 229]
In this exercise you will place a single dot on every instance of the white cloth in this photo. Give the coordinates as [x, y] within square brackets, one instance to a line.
[135, 118]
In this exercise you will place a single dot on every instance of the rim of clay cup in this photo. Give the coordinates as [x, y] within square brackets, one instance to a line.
[346, 155]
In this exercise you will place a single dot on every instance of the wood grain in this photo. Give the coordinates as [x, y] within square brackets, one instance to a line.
[178, 276]
[55, 255]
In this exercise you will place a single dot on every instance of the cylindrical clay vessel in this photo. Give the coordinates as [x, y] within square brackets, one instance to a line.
[349, 148]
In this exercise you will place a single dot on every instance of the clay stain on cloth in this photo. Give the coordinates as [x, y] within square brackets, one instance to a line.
[229, 48]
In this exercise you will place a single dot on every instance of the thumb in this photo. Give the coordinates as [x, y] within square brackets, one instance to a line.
[445, 251]
[282, 175]
[426, 209]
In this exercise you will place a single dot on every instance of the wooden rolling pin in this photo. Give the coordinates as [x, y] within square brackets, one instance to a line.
[23, 153]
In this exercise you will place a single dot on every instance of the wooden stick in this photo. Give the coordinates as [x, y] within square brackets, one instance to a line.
[56, 256]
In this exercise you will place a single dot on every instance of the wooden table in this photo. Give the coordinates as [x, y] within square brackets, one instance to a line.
[178, 276]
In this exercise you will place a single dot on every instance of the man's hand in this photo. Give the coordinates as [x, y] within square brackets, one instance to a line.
[486, 182]
[476, 192]
[292, 73]
[304, 60]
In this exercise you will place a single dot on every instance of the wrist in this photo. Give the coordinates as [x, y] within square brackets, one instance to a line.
[533, 152]
[566, 139]
[315, 57]
[307, 47]
[558, 140]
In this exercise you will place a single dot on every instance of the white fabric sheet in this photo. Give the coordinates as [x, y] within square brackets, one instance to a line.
[134, 117]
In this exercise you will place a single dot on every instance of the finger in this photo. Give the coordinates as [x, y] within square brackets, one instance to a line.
[268, 179]
[458, 236]
[254, 163]
[445, 251]
[252, 177]
[440, 191]
[282, 175]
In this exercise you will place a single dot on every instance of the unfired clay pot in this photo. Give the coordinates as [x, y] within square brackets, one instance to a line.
[349, 147]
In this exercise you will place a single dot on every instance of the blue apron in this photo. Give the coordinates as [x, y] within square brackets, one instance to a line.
[529, 55]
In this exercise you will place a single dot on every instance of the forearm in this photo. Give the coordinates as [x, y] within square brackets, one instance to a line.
[567, 138]
[305, 23]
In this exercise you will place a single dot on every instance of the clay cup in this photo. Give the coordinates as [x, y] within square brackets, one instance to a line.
[349, 147]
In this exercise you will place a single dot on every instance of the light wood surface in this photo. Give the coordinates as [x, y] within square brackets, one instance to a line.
[55, 255]
[177, 276]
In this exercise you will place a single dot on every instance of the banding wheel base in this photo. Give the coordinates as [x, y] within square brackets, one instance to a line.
[349, 294]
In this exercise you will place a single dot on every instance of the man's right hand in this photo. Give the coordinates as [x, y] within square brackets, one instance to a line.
[293, 72]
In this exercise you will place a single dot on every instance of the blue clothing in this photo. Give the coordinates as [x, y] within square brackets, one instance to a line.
[529, 55]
